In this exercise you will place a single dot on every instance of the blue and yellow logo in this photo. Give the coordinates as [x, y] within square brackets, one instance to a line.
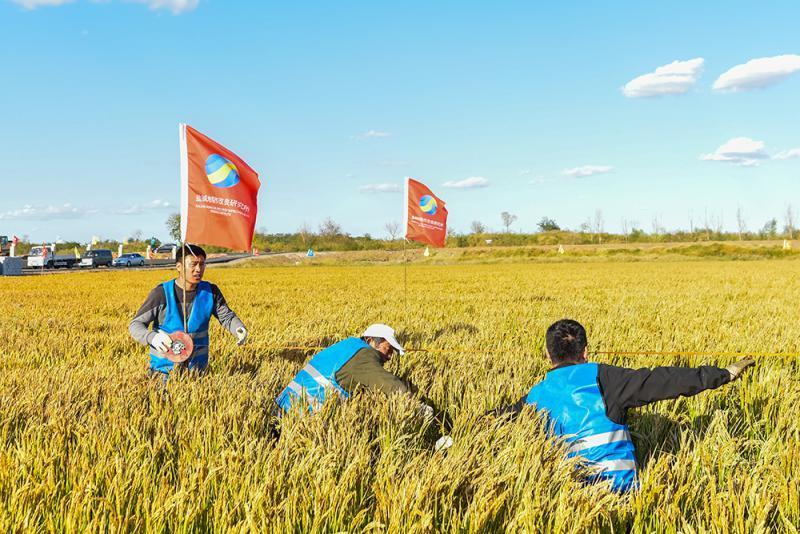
[428, 204]
[221, 172]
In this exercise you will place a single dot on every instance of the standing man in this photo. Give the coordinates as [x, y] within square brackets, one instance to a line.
[348, 364]
[164, 308]
[587, 403]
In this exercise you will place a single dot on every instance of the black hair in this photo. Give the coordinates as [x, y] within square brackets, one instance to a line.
[188, 250]
[566, 340]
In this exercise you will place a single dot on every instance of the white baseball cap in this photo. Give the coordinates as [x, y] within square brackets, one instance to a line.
[386, 332]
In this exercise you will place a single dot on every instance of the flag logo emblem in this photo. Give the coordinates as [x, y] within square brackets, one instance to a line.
[221, 172]
[428, 204]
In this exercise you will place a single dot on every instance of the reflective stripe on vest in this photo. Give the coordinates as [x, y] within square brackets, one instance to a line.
[570, 397]
[615, 465]
[199, 317]
[318, 376]
[599, 439]
[321, 380]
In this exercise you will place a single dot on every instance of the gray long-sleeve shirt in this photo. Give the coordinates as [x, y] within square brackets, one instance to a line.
[154, 311]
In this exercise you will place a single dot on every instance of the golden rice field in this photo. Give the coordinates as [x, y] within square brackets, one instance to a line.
[89, 444]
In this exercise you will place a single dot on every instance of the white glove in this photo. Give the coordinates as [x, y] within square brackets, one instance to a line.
[161, 342]
[443, 443]
[426, 412]
[738, 368]
[241, 335]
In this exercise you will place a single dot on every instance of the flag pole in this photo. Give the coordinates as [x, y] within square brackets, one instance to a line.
[183, 286]
[184, 214]
[405, 242]
[405, 278]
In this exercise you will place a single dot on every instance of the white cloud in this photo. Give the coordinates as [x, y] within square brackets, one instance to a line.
[587, 170]
[788, 154]
[379, 188]
[739, 150]
[374, 134]
[673, 79]
[33, 4]
[175, 6]
[136, 209]
[537, 180]
[468, 183]
[758, 73]
[30, 212]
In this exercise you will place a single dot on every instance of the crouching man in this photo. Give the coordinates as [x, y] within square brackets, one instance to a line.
[342, 367]
[587, 403]
[164, 307]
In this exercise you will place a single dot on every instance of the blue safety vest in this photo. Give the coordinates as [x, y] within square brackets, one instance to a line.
[319, 376]
[199, 317]
[576, 411]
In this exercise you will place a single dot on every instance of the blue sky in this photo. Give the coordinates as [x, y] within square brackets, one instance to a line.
[550, 109]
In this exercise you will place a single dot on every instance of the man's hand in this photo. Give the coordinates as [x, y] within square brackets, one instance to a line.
[161, 342]
[241, 335]
[738, 368]
[426, 412]
[443, 443]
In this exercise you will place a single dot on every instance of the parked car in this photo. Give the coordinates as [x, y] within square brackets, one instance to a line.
[165, 248]
[129, 260]
[97, 258]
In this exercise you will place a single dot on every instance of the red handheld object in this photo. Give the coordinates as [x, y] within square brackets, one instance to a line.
[181, 348]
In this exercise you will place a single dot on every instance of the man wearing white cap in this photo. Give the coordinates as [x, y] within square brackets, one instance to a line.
[342, 367]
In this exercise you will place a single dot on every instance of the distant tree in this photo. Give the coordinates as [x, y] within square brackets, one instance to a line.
[548, 225]
[585, 227]
[330, 228]
[136, 235]
[788, 227]
[598, 225]
[658, 226]
[770, 229]
[625, 229]
[508, 220]
[393, 229]
[305, 233]
[174, 226]
[477, 227]
[637, 234]
[718, 223]
[740, 223]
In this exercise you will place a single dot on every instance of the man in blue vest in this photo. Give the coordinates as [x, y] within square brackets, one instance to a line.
[164, 309]
[348, 364]
[587, 403]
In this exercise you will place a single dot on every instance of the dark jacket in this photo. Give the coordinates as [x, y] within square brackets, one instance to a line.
[365, 369]
[624, 388]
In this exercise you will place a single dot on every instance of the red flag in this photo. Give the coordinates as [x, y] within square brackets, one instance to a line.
[425, 215]
[218, 193]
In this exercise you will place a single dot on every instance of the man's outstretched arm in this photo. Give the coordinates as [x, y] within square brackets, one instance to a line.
[226, 316]
[624, 388]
